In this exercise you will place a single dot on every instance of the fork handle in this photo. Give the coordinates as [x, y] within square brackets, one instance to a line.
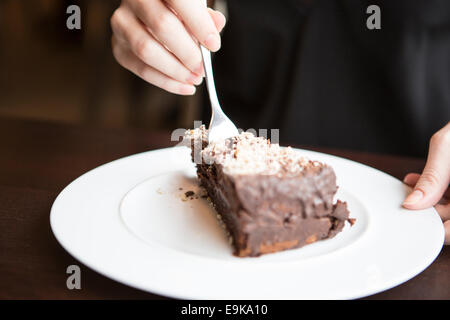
[209, 76]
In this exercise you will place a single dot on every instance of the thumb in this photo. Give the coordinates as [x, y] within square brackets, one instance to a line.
[435, 177]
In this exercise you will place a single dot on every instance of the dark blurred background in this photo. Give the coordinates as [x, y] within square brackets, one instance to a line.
[308, 67]
[51, 73]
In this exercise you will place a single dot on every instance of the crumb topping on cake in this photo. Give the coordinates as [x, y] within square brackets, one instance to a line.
[248, 154]
[197, 135]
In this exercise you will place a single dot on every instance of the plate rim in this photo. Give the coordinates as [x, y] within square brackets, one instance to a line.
[169, 293]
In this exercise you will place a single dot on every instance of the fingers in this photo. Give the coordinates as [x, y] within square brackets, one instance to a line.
[128, 29]
[164, 35]
[435, 177]
[198, 22]
[130, 61]
[443, 207]
[447, 232]
[170, 31]
[411, 179]
[444, 211]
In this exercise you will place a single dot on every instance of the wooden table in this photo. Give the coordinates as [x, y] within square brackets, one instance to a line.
[38, 159]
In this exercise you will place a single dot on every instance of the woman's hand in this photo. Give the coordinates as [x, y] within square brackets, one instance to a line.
[431, 188]
[158, 40]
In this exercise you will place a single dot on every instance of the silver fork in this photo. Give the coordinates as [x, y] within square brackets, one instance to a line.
[220, 127]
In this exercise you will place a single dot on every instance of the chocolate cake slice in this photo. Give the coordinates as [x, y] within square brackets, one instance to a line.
[269, 198]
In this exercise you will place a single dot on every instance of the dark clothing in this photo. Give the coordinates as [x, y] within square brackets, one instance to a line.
[315, 71]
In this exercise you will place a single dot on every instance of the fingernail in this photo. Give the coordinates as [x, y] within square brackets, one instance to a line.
[212, 42]
[406, 179]
[187, 89]
[195, 79]
[414, 197]
[198, 81]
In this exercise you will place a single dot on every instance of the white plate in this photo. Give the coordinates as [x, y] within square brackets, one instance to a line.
[127, 221]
